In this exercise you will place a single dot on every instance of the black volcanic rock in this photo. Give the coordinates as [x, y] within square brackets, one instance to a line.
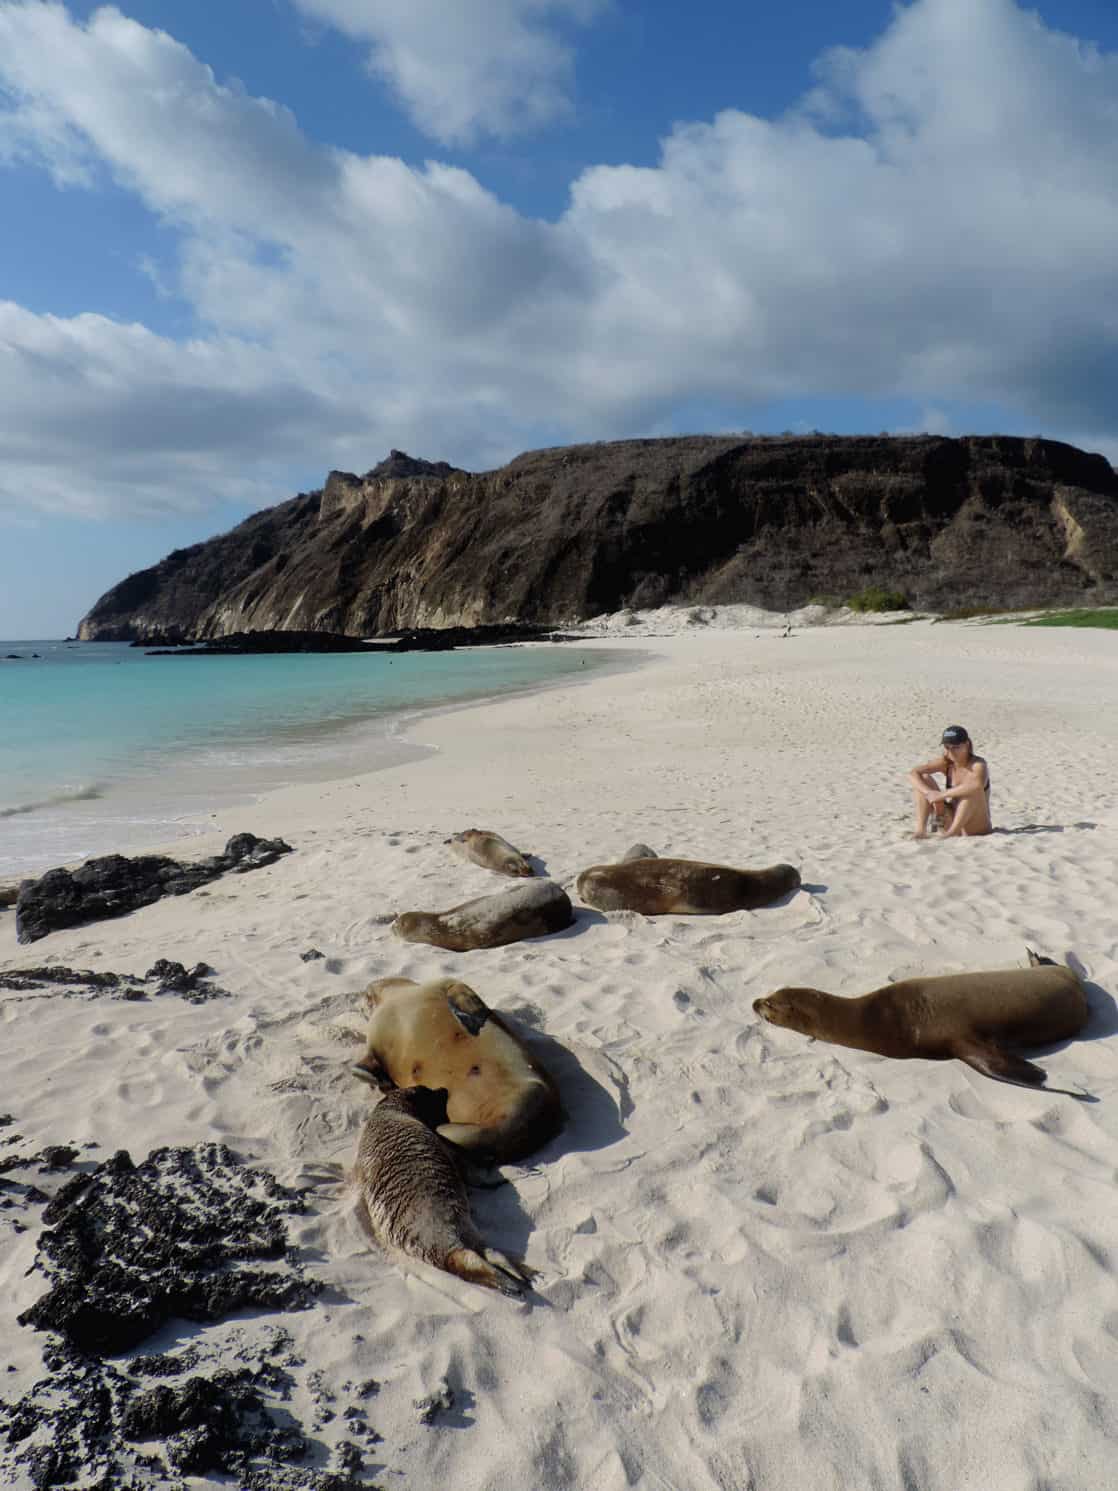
[187, 1234]
[113, 885]
[563, 534]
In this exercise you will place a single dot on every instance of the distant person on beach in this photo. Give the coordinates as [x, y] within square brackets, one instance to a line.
[961, 807]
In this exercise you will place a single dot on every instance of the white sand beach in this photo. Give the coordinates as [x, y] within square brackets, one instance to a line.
[763, 1262]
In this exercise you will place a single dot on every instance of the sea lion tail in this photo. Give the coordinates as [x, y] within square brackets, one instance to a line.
[501, 1274]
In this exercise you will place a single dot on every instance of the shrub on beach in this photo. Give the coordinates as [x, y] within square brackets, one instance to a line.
[1084, 617]
[875, 598]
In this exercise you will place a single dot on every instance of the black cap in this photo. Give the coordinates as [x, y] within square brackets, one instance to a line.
[955, 735]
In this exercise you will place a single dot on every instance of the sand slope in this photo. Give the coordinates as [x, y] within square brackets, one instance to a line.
[764, 1263]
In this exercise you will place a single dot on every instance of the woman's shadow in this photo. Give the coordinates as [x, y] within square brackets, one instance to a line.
[1042, 828]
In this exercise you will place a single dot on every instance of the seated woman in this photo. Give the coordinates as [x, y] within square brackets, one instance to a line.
[962, 806]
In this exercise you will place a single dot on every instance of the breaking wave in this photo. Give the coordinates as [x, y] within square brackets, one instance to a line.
[77, 794]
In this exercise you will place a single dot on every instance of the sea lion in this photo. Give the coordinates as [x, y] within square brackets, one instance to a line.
[971, 1016]
[639, 851]
[501, 1101]
[491, 852]
[412, 1195]
[491, 921]
[682, 887]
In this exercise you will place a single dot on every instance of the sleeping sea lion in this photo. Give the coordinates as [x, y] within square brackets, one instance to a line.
[500, 1100]
[412, 1195]
[491, 852]
[491, 921]
[971, 1016]
[639, 851]
[682, 887]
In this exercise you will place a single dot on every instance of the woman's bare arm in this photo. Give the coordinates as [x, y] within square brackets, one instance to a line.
[917, 776]
[975, 785]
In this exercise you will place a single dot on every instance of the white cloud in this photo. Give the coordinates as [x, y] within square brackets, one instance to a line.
[470, 67]
[936, 223]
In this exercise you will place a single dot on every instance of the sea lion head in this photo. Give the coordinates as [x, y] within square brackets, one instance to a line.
[413, 926]
[796, 1009]
[428, 1104]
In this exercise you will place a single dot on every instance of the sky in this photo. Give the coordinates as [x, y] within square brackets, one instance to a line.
[242, 244]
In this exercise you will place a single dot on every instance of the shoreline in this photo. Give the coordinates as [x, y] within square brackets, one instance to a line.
[743, 1238]
[385, 734]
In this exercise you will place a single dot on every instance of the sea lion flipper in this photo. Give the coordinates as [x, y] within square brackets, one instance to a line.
[1037, 960]
[1003, 1066]
[468, 1264]
[515, 1268]
[468, 1008]
[369, 1069]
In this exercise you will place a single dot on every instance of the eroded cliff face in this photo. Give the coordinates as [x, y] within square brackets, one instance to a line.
[558, 535]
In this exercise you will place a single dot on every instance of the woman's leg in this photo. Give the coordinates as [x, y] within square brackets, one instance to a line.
[971, 818]
[923, 807]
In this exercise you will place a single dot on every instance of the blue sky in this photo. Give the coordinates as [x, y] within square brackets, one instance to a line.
[241, 244]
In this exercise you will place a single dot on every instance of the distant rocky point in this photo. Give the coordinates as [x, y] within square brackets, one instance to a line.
[560, 535]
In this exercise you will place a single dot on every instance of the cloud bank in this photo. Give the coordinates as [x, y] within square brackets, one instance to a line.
[935, 222]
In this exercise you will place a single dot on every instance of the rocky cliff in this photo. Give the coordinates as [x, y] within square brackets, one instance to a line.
[558, 535]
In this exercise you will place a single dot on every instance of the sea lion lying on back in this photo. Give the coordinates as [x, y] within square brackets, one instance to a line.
[491, 852]
[500, 1100]
[682, 887]
[971, 1016]
[413, 1197]
[491, 921]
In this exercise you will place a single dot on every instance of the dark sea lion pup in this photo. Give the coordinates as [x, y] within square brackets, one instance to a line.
[491, 852]
[683, 887]
[501, 1102]
[973, 1017]
[531, 910]
[412, 1195]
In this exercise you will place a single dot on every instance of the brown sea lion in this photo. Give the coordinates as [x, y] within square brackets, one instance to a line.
[682, 887]
[412, 1195]
[491, 852]
[501, 1101]
[971, 1016]
[491, 921]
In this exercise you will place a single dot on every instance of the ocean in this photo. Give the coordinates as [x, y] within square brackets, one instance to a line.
[104, 749]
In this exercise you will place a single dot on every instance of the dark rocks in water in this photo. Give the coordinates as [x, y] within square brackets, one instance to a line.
[236, 644]
[564, 534]
[113, 885]
[172, 978]
[417, 639]
[12, 657]
[446, 639]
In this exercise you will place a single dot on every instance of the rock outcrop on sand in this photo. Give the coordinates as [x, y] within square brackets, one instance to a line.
[563, 534]
[188, 1234]
[113, 884]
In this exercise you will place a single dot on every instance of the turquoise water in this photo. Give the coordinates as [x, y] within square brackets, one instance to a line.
[103, 748]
